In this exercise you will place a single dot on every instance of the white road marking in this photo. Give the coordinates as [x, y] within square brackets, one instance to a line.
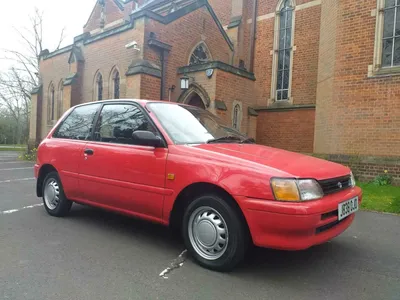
[6, 212]
[21, 179]
[177, 263]
[12, 169]
[13, 162]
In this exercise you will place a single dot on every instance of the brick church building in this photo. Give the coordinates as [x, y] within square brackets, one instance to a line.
[315, 76]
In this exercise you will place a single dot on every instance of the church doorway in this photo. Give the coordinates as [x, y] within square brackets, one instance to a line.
[195, 100]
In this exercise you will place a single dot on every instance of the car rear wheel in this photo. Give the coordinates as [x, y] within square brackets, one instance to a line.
[214, 233]
[54, 200]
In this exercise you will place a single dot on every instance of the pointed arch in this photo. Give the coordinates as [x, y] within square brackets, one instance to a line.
[115, 83]
[50, 103]
[195, 89]
[60, 98]
[200, 53]
[282, 62]
[98, 86]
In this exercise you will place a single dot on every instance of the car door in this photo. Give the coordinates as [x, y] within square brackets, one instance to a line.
[65, 147]
[116, 173]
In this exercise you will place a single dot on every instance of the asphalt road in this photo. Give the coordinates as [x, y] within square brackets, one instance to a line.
[93, 254]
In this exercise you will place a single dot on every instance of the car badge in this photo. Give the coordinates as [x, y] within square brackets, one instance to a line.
[339, 185]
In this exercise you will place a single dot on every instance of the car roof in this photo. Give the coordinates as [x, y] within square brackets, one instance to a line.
[139, 101]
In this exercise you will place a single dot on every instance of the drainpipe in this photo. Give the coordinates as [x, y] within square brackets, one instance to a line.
[253, 36]
[162, 60]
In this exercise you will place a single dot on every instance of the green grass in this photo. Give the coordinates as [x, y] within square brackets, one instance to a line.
[381, 198]
[12, 147]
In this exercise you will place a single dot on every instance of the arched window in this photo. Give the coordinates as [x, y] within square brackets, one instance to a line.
[116, 84]
[236, 116]
[283, 51]
[50, 104]
[60, 99]
[200, 55]
[99, 87]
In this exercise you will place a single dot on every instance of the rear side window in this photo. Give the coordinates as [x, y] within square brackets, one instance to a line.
[78, 125]
[117, 122]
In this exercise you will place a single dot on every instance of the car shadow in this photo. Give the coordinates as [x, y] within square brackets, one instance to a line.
[150, 233]
[274, 264]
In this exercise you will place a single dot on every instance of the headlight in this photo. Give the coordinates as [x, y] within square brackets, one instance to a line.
[352, 180]
[296, 189]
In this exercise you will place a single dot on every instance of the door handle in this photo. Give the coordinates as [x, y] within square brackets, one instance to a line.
[89, 152]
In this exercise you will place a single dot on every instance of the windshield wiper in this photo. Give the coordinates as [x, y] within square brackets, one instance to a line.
[248, 141]
[228, 138]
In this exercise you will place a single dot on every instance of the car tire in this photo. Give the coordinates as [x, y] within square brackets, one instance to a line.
[215, 233]
[54, 200]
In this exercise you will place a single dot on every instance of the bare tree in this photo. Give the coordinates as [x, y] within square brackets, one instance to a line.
[17, 83]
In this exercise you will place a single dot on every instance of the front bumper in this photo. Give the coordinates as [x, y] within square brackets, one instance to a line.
[296, 226]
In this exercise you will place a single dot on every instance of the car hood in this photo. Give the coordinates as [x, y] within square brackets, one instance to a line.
[294, 164]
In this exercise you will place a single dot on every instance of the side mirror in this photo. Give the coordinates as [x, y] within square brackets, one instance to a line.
[146, 138]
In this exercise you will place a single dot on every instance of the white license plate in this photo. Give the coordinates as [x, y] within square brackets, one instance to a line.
[347, 208]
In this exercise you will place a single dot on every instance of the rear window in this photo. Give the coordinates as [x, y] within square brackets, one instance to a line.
[78, 124]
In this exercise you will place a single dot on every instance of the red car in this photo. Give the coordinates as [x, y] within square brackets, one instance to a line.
[182, 166]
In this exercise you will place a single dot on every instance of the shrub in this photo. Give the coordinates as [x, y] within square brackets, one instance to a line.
[30, 155]
[383, 179]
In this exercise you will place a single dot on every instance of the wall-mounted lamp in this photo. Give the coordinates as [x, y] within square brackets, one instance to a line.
[184, 82]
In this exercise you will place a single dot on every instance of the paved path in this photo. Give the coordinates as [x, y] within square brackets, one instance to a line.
[97, 255]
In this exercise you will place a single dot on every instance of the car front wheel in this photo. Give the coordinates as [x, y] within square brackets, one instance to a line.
[54, 200]
[214, 233]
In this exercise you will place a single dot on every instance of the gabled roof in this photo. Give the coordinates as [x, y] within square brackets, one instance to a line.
[119, 3]
[150, 7]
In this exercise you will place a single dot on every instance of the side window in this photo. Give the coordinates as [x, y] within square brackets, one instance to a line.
[117, 122]
[78, 124]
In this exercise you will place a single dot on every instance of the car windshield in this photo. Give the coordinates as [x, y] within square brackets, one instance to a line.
[192, 125]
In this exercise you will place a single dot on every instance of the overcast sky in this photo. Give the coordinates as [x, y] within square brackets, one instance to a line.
[71, 14]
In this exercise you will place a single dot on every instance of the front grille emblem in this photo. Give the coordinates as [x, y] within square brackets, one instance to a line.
[339, 185]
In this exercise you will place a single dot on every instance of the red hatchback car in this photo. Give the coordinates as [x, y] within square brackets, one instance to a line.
[181, 166]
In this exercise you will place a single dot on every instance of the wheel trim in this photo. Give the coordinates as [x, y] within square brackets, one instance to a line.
[208, 233]
[52, 194]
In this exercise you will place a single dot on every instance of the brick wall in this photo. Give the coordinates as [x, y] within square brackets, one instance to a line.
[305, 57]
[365, 112]
[106, 54]
[112, 13]
[366, 168]
[289, 130]
[198, 26]
[230, 88]
[222, 9]
[52, 71]
[149, 87]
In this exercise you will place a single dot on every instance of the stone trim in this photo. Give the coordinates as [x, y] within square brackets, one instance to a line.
[109, 33]
[366, 168]
[234, 22]
[197, 89]
[180, 13]
[159, 44]
[220, 105]
[298, 8]
[57, 52]
[364, 159]
[142, 66]
[70, 79]
[36, 90]
[284, 107]
[217, 65]
[252, 112]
